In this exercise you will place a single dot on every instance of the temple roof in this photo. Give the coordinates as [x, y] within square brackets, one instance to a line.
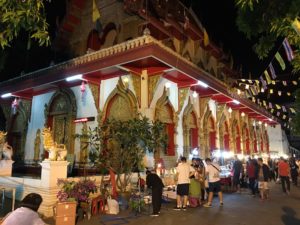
[132, 57]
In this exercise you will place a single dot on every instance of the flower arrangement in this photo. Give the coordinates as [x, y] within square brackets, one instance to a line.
[136, 202]
[76, 191]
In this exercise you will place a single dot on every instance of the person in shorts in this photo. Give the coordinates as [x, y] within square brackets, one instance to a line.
[214, 184]
[184, 171]
[263, 177]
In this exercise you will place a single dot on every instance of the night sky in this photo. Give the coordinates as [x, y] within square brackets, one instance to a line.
[218, 17]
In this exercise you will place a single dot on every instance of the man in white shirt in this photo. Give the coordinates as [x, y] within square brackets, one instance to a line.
[214, 184]
[184, 171]
[27, 213]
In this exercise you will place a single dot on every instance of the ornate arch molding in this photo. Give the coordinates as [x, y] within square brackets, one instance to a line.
[160, 108]
[71, 101]
[190, 128]
[59, 115]
[126, 95]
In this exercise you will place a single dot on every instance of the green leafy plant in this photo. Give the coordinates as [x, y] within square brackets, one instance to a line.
[121, 145]
[25, 15]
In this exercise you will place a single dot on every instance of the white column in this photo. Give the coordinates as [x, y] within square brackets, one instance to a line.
[53, 170]
[6, 167]
[144, 92]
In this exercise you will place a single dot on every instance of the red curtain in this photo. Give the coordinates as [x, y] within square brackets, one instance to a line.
[255, 145]
[226, 142]
[262, 146]
[212, 140]
[194, 137]
[171, 146]
[247, 146]
[238, 144]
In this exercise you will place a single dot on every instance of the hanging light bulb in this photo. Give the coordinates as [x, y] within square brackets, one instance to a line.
[242, 114]
[195, 94]
[230, 110]
[239, 91]
[167, 85]
[262, 90]
[247, 86]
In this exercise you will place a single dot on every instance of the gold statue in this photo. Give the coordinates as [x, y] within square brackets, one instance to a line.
[57, 152]
[6, 151]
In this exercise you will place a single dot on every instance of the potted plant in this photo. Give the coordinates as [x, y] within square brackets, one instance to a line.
[78, 191]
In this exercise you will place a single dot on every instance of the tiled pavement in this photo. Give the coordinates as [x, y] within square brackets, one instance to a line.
[238, 209]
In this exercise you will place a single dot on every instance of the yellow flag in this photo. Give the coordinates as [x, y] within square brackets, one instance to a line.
[278, 106]
[205, 38]
[268, 78]
[96, 13]
[296, 26]
[293, 110]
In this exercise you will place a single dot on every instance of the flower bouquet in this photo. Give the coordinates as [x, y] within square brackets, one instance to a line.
[76, 191]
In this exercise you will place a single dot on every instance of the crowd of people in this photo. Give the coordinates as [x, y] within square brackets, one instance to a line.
[199, 181]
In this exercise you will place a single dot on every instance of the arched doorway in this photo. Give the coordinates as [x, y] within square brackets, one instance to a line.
[60, 114]
[246, 140]
[224, 134]
[164, 112]
[209, 133]
[267, 142]
[212, 134]
[226, 137]
[255, 143]
[16, 131]
[2, 120]
[190, 130]
[236, 137]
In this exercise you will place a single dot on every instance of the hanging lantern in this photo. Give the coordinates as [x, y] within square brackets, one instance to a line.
[15, 105]
[82, 89]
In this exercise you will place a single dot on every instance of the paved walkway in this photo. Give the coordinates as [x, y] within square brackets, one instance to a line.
[238, 209]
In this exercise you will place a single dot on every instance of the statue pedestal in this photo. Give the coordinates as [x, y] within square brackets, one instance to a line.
[53, 170]
[6, 167]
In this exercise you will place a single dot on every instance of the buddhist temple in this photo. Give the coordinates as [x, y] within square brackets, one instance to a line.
[148, 57]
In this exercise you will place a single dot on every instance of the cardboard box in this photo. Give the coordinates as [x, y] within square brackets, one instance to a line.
[65, 220]
[66, 209]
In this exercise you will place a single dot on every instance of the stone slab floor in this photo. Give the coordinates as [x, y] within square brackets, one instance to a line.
[238, 209]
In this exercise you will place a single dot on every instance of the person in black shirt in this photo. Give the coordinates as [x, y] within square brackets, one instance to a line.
[154, 182]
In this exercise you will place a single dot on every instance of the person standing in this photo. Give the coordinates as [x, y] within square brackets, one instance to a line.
[237, 174]
[184, 171]
[294, 171]
[284, 172]
[154, 182]
[263, 174]
[214, 184]
[251, 176]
